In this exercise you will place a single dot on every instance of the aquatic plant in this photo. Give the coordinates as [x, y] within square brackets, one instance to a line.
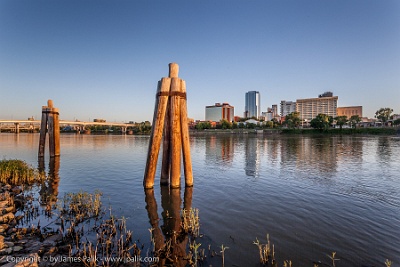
[18, 172]
[265, 251]
[191, 221]
[388, 263]
[81, 205]
[223, 248]
[333, 259]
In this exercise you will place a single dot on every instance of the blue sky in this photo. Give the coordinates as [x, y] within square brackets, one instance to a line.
[103, 59]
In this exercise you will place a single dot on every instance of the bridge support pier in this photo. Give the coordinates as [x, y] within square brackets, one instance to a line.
[50, 123]
[16, 127]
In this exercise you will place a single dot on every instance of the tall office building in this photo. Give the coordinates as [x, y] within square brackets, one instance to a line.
[219, 112]
[252, 105]
[287, 107]
[309, 108]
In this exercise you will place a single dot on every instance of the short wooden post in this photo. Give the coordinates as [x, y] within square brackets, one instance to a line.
[50, 123]
[171, 113]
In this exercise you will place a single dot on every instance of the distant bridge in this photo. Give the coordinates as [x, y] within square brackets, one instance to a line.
[16, 125]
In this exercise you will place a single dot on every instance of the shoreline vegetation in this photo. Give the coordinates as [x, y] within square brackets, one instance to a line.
[385, 131]
[302, 131]
[82, 232]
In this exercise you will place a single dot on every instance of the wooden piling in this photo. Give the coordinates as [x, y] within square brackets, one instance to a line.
[50, 123]
[187, 161]
[50, 128]
[56, 132]
[156, 132]
[170, 114]
[175, 133]
[166, 159]
[43, 130]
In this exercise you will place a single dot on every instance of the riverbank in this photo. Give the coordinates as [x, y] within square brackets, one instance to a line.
[25, 246]
[306, 131]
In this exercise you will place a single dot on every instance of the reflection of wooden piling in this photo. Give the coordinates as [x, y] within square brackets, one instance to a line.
[49, 189]
[151, 207]
[50, 124]
[170, 119]
[170, 239]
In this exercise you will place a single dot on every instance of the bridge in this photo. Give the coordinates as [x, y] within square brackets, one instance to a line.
[17, 125]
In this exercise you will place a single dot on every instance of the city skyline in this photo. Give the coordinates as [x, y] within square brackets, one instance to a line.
[99, 59]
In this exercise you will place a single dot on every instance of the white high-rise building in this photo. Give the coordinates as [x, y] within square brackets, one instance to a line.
[309, 108]
[287, 107]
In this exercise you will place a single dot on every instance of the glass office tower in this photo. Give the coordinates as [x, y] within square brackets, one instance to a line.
[252, 105]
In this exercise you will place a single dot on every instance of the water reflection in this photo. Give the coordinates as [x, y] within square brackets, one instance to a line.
[384, 150]
[49, 188]
[252, 157]
[170, 239]
[310, 155]
[220, 149]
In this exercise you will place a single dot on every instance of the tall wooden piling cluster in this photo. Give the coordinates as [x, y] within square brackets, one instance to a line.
[50, 123]
[170, 122]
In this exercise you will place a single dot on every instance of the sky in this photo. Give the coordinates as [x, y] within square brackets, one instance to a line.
[103, 59]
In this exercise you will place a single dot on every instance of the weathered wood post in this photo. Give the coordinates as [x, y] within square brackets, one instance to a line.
[175, 124]
[50, 123]
[170, 121]
[187, 160]
[156, 131]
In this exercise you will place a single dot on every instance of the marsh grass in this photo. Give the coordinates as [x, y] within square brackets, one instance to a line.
[191, 221]
[18, 172]
[96, 240]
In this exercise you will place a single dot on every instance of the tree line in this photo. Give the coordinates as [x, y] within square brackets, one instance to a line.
[293, 120]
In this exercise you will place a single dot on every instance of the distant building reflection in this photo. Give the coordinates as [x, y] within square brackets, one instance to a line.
[310, 155]
[220, 149]
[384, 150]
[252, 147]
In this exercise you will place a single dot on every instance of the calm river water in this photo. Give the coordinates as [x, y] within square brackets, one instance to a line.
[312, 195]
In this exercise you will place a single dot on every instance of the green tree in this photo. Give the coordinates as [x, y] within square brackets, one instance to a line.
[203, 125]
[275, 122]
[234, 125]
[226, 124]
[250, 125]
[293, 120]
[341, 120]
[269, 124]
[354, 120]
[383, 114]
[322, 122]
[396, 122]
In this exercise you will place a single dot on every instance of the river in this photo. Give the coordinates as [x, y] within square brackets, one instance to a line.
[312, 195]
